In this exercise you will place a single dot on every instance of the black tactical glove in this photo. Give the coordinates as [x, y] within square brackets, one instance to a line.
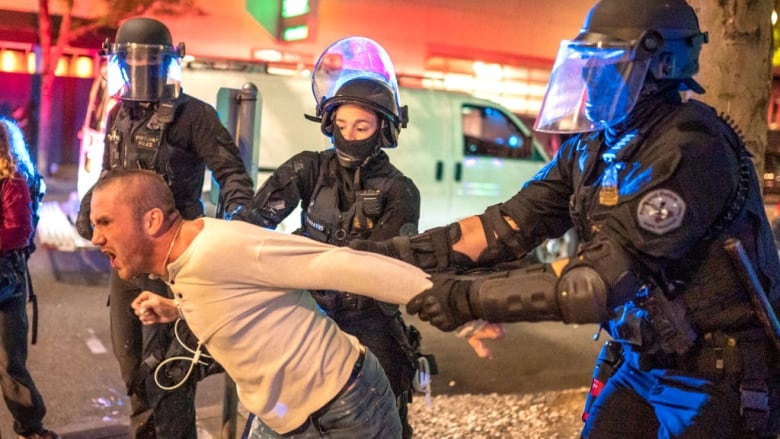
[239, 213]
[388, 247]
[250, 215]
[430, 250]
[83, 225]
[445, 305]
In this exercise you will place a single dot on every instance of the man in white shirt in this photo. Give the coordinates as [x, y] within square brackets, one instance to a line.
[241, 289]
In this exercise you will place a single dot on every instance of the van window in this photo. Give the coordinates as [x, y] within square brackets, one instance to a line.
[489, 132]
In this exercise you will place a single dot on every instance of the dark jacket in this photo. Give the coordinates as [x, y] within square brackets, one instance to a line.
[193, 141]
[16, 226]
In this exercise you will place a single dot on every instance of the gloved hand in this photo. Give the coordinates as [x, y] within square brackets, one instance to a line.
[387, 247]
[430, 250]
[239, 213]
[445, 305]
[83, 225]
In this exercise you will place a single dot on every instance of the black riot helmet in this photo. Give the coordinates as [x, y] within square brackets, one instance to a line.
[371, 94]
[599, 74]
[677, 52]
[143, 65]
[357, 70]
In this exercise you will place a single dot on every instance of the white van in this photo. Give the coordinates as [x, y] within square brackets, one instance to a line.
[463, 153]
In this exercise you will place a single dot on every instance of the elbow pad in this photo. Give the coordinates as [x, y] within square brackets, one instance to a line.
[603, 276]
[582, 296]
[499, 233]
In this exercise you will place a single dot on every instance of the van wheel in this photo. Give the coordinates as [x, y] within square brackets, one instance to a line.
[553, 249]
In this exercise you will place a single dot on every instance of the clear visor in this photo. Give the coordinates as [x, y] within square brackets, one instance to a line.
[591, 87]
[350, 58]
[140, 72]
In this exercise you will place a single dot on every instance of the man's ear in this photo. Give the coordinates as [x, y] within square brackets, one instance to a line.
[153, 222]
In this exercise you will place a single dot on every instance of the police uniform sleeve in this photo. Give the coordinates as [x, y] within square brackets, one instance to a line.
[401, 213]
[291, 184]
[215, 146]
[540, 210]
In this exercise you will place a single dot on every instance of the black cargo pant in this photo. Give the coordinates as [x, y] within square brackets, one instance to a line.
[155, 413]
[647, 403]
[19, 391]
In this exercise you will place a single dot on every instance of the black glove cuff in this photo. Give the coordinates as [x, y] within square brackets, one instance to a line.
[460, 300]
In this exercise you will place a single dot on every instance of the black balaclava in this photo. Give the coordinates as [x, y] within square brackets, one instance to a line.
[353, 154]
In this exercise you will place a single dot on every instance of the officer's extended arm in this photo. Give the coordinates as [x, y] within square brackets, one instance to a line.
[584, 291]
[471, 242]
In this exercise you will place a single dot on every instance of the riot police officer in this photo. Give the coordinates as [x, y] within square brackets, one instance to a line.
[353, 191]
[655, 269]
[158, 127]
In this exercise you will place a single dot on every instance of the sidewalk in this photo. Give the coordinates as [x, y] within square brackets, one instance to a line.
[209, 424]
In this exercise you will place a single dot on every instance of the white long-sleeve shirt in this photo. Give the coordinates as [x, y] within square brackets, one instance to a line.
[241, 289]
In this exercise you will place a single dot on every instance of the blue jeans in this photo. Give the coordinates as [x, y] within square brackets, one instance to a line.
[365, 409]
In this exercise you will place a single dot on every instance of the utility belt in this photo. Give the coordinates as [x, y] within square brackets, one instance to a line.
[654, 323]
[742, 356]
[334, 301]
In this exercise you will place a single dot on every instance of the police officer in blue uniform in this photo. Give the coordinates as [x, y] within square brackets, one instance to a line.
[352, 191]
[155, 126]
[657, 188]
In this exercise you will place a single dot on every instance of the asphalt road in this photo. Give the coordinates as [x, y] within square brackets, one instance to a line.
[75, 371]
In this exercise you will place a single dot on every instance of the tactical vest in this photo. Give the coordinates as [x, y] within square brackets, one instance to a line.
[139, 141]
[324, 221]
[135, 143]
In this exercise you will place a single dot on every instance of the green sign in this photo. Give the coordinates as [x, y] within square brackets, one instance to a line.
[285, 20]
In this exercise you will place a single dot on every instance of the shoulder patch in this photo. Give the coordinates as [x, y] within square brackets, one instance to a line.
[660, 211]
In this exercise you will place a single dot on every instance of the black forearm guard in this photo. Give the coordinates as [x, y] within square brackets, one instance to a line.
[535, 293]
[526, 294]
[430, 250]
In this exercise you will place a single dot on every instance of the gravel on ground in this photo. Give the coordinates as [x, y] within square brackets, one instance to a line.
[548, 415]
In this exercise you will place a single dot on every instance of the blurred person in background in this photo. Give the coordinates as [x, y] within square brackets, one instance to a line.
[16, 232]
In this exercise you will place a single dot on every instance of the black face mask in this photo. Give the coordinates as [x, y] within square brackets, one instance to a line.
[355, 153]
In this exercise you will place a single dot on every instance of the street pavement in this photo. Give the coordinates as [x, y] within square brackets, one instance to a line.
[75, 371]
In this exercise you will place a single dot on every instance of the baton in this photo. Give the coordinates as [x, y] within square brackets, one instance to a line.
[761, 305]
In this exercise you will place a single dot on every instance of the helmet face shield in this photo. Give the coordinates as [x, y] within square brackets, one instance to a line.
[353, 58]
[592, 86]
[141, 72]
